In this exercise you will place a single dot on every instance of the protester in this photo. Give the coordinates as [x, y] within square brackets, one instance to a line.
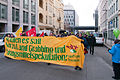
[85, 49]
[12, 36]
[9, 35]
[23, 33]
[45, 34]
[51, 34]
[92, 42]
[115, 52]
[85, 41]
[77, 35]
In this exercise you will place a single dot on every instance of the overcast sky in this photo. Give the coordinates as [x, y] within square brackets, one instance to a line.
[85, 10]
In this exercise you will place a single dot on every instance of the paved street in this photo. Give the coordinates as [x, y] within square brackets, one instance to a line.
[97, 67]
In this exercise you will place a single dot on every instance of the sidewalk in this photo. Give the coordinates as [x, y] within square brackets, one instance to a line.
[108, 46]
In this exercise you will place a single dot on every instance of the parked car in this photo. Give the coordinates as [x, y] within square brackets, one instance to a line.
[99, 38]
[2, 37]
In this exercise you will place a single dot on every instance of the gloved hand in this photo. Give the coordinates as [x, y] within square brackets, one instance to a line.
[109, 49]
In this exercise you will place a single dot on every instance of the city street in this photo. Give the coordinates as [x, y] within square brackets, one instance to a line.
[96, 67]
[47, 39]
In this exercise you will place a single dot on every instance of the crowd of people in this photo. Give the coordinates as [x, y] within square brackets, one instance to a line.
[89, 40]
[10, 35]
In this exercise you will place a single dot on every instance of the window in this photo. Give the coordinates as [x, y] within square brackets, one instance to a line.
[41, 3]
[40, 18]
[3, 11]
[116, 5]
[68, 20]
[50, 8]
[15, 15]
[46, 20]
[46, 6]
[25, 17]
[25, 4]
[111, 35]
[33, 6]
[32, 19]
[50, 20]
[114, 8]
[113, 23]
[71, 23]
[116, 22]
[16, 2]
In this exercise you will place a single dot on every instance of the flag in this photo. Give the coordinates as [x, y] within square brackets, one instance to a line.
[42, 34]
[19, 31]
[31, 32]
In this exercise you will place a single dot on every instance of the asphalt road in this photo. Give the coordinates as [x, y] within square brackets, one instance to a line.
[102, 52]
[23, 70]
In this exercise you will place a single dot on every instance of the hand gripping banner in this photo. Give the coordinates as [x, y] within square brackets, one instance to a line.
[63, 51]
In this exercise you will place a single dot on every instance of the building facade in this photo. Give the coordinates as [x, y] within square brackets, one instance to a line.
[113, 18]
[18, 13]
[71, 18]
[109, 19]
[102, 17]
[42, 14]
[102, 12]
[51, 15]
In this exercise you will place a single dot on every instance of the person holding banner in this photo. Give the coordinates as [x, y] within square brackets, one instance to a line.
[115, 52]
[85, 43]
[12, 36]
[23, 33]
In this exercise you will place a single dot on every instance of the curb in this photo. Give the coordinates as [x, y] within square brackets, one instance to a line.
[107, 46]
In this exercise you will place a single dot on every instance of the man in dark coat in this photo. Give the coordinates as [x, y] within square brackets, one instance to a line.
[92, 42]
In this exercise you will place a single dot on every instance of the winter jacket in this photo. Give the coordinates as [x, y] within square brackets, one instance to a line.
[115, 52]
[85, 42]
[92, 40]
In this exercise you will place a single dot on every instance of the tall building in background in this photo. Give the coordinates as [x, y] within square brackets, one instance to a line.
[51, 15]
[71, 18]
[109, 18]
[16, 13]
[95, 16]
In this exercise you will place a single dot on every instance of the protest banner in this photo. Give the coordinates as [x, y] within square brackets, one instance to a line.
[63, 51]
